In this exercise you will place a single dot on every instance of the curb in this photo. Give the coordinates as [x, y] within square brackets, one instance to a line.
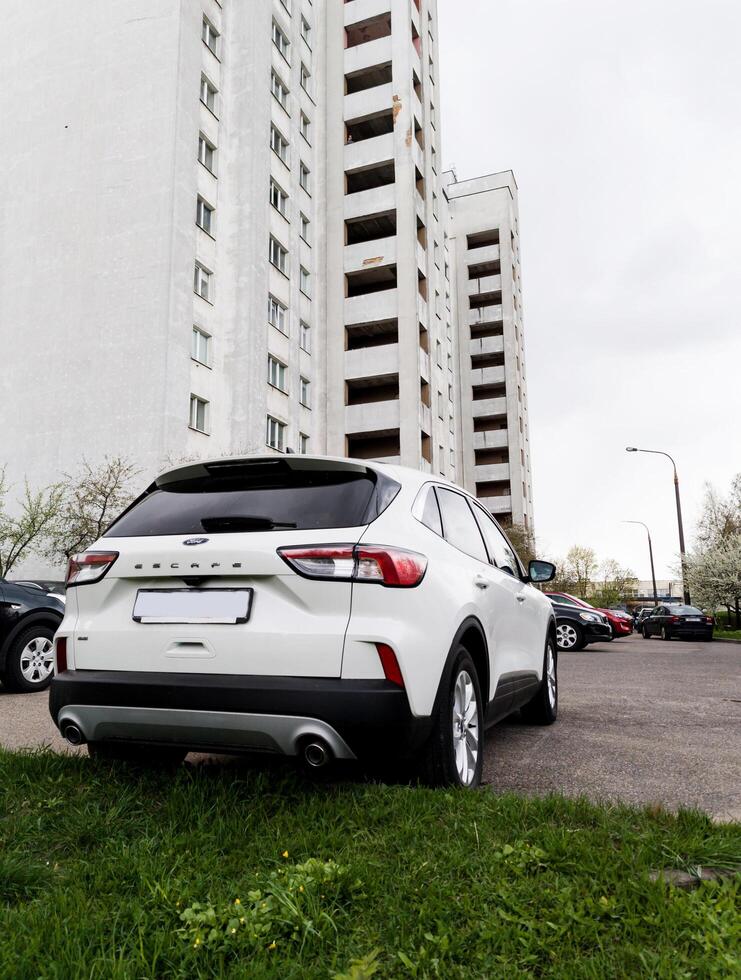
[724, 639]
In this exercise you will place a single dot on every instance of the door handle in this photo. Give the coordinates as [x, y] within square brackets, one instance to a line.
[481, 581]
[520, 598]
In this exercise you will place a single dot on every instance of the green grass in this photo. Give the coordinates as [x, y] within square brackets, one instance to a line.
[727, 634]
[114, 874]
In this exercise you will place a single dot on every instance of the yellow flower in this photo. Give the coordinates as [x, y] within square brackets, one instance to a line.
[300, 888]
[197, 942]
[237, 902]
[233, 931]
[272, 945]
[285, 854]
[242, 919]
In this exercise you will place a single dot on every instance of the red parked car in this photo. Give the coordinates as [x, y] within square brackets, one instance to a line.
[620, 624]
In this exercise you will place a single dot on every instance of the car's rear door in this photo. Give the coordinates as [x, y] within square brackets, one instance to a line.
[218, 530]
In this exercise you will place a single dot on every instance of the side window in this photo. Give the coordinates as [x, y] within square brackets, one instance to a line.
[459, 524]
[499, 548]
[431, 513]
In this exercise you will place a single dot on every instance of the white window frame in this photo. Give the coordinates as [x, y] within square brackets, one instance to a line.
[305, 127]
[303, 443]
[210, 36]
[281, 256]
[280, 90]
[206, 147]
[281, 42]
[211, 93]
[304, 282]
[305, 225]
[196, 403]
[304, 392]
[304, 336]
[277, 314]
[278, 198]
[305, 79]
[304, 177]
[205, 216]
[200, 346]
[277, 374]
[279, 144]
[306, 31]
[275, 436]
[203, 283]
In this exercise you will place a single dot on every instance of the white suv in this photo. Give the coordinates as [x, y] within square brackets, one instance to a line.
[327, 608]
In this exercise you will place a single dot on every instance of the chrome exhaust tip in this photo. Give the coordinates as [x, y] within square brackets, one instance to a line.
[317, 754]
[73, 734]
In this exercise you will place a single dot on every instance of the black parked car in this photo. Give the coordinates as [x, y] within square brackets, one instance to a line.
[29, 618]
[577, 626]
[675, 621]
[640, 615]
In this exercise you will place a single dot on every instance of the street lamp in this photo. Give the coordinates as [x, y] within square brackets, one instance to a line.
[650, 555]
[658, 452]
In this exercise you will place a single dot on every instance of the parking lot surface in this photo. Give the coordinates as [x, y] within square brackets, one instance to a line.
[641, 721]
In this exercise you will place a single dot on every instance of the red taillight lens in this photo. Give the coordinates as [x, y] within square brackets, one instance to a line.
[390, 664]
[392, 567]
[710, 620]
[89, 566]
[61, 653]
[674, 619]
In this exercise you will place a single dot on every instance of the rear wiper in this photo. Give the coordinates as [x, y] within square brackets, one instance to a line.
[242, 523]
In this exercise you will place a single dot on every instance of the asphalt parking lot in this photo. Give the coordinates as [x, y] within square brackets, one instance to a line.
[642, 721]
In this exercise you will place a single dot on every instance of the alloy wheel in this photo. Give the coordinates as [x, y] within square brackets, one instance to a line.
[567, 636]
[465, 728]
[37, 660]
[550, 669]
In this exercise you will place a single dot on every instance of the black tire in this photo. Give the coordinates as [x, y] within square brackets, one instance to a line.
[564, 630]
[436, 765]
[665, 634]
[543, 708]
[646, 634]
[146, 756]
[37, 637]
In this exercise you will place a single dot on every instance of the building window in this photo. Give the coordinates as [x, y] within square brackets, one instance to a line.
[306, 31]
[305, 229]
[278, 256]
[304, 395]
[206, 153]
[279, 90]
[276, 435]
[303, 443]
[305, 337]
[305, 78]
[277, 374]
[205, 216]
[200, 349]
[208, 94]
[303, 176]
[278, 144]
[287, 5]
[202, 283]
[279, 199]
[280, 41]
[277, 315]
[210, 37]
[198, 414]
[305, 282]
[306, 128]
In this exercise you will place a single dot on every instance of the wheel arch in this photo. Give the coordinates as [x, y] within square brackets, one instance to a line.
[471, 635]
[42, 617]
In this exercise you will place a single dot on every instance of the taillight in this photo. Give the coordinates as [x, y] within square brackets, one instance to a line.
[674, 619]
[710, 620]
[390, 664]
[89, 566]
[392, 567]
[61, 653]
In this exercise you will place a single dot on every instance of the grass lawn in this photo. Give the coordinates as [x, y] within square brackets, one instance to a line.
[112, 874]
[727, 634]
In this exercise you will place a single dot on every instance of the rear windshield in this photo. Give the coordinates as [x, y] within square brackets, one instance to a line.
[258, 498]
[685, 611]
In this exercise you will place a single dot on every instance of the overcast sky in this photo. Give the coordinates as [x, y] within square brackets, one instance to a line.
[622, 123]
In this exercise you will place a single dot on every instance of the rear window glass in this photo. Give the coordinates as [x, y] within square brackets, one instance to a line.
[259, 498]
[686, 611]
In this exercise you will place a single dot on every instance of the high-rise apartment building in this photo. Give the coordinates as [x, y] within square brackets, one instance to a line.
[231, 232]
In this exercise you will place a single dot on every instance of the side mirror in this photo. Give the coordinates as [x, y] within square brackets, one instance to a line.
[541, 571]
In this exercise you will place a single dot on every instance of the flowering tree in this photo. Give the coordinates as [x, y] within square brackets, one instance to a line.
[23, 532]
[714, 575]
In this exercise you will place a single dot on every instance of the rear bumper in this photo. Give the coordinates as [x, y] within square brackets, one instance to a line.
[236, 713]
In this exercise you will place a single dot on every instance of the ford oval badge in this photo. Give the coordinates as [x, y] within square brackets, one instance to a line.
[195, 541]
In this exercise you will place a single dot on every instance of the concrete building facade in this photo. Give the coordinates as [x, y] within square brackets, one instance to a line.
[231, 231]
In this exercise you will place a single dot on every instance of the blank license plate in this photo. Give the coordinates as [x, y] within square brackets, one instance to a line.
[192, 606]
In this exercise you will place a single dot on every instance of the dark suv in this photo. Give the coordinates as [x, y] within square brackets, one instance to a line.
[29, 618]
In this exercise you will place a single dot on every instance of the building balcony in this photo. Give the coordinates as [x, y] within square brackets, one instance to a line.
[377, 200]
[371, 362]
[366, 153]
[371, 307]
[422, 259]
[485, 314]
[487, 376]
[422, 311]
[360, 10]
[425, 418]
[485, 284]
[424, 364]
[372, 417]
[493, 439]
[362, 56]
[497, 505]
[475, 256]
[486, 345]
[370, 102]
[489, 406]
[370, 255]
[491, 471]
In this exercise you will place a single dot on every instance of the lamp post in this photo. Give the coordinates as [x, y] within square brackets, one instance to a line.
[659, 452]
[650, 555]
